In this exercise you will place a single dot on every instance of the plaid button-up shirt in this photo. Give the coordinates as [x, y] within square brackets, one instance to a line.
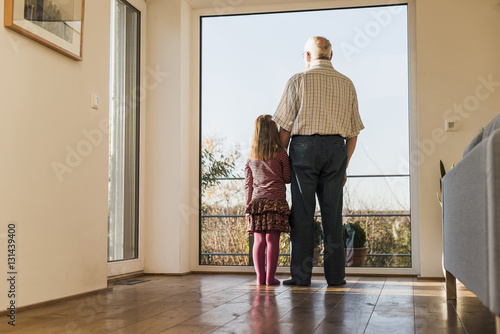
[321, 101]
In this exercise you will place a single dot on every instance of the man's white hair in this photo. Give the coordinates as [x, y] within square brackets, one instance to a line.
[319, 47]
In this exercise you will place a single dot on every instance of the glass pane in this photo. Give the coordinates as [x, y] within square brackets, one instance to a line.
[370, 46]
[123, 157]
[224, 236]
[388, 241]
[377, 150]
[245, 78]
[377, 194]
[226, 242]
[226, 197]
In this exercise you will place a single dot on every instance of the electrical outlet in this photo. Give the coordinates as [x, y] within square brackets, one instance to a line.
[450, 126]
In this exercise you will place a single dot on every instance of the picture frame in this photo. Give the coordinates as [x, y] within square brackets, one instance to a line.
[57, 24]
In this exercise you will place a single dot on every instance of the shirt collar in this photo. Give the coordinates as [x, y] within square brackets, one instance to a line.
[320, 63]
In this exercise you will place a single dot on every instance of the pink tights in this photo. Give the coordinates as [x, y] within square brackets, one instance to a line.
[271, 240]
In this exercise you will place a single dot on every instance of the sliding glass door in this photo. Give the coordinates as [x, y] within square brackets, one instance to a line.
[245, 63]
[124, 133]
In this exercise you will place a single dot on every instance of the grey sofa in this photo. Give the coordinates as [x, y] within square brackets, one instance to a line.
[471, 220]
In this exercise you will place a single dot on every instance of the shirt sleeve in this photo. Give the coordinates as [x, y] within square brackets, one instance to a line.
[288, 108]
[356, 123]
[248, 183]
[286, 169]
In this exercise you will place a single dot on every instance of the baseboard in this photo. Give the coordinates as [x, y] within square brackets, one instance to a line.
[381, 275]
[58, 300]
[170, 274]
[203, 272]
[429, 278]
[314, 274]
[115, 278]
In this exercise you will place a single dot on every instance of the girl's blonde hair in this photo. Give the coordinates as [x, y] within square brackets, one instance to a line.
[266, 139]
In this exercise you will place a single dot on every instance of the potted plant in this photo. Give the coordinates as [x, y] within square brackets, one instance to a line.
[355, 244]
[318, 240]
[442, 170]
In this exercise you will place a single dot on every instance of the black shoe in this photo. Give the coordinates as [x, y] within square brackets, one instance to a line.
[336, 284]
[291, 281]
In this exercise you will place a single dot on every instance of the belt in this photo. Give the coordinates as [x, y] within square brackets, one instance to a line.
[317, 135]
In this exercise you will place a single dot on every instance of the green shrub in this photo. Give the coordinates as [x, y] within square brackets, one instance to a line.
[318, 233]
[354, 235]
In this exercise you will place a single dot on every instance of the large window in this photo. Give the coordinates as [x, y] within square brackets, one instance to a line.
[124, 133]
[245, 63]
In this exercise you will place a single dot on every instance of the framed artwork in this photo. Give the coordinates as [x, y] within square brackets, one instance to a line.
[57, 24]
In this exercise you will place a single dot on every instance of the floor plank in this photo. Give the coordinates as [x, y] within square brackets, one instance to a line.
[394, 312]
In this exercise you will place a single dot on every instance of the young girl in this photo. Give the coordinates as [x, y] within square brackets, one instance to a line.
[266, 172]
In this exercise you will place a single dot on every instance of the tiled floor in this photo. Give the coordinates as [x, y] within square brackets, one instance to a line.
[234, 304]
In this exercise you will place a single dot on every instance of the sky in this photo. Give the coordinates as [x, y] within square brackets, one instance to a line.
[247, 60]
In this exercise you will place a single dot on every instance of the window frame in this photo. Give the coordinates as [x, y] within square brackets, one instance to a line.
[129, 266]
[412, 119]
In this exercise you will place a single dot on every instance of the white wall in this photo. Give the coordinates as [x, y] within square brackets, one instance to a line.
[169, 209]
[457, 45]
[62, 234]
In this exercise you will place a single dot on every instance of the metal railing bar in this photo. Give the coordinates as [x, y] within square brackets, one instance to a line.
[222, 216]
[377, 215]
[382, 175]
[287, 254]
[237, 254]
[344, 215]
[388, 254]
[353, 176]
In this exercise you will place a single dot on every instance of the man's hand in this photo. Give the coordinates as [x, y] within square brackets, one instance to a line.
[285, 137]
[350, 145]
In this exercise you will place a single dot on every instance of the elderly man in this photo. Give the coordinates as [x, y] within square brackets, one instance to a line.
[319, 111]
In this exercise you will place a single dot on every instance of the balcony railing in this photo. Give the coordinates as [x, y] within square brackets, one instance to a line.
[345, 215]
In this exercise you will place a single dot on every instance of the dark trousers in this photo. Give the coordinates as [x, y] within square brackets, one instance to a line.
[318, 168]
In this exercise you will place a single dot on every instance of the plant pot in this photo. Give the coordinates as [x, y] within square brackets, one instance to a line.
[355, 257]
[317, 251]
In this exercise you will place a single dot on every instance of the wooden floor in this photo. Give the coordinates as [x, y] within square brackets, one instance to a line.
[234, 304]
